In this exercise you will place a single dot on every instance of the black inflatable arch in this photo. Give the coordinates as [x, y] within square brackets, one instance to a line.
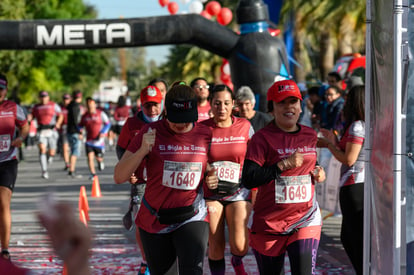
[256, 58]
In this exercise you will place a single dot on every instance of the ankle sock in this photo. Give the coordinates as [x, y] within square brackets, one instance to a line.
[236, 260]
[217, 267]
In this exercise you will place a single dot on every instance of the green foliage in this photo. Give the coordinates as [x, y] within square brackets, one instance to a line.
[55, 71]
[342, 21]
[188, 62]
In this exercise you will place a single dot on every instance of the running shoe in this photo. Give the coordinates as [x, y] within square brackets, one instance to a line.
[45, 175]
[73, 175]
[92, 176]
[101, 165]
[143, 270]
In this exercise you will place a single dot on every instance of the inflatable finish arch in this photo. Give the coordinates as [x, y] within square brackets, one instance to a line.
[256, 58]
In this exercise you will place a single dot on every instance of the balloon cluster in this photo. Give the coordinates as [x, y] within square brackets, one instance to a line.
[212, 9]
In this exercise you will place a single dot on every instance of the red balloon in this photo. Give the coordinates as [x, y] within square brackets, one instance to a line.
[213, 7]
[274, 32]
[163, 3]
[225, 16]
[205, 14]
[173, 7]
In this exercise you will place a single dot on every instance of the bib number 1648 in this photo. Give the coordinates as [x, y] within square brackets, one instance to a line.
[181, 175]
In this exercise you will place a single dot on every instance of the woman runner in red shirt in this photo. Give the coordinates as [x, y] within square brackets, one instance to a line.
[172, 219]
[229, 202]
[281, 162]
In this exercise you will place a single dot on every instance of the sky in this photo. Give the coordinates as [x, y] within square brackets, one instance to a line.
[113, 9]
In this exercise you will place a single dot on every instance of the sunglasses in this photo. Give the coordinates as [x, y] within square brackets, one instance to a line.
[201, 86]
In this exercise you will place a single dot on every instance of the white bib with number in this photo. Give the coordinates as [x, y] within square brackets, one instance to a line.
[181, 175]
[5, 143]
[227, 171]
[293, 189]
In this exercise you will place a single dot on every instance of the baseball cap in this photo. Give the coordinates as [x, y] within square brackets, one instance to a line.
[283, 89]
[43, 94]
[76, 94]
[3, 81]
[182, 111]
[354, 81]
[66, 96]
[150, 94]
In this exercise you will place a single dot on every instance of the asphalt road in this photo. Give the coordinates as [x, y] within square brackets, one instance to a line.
[114, 250]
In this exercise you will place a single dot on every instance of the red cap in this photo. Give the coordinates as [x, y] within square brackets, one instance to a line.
[43, 94]
[283, 89]
[151, 94]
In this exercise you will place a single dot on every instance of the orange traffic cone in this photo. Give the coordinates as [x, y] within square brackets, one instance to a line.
[82, 194]
[96, 188]
[83, 202]
[82, 217]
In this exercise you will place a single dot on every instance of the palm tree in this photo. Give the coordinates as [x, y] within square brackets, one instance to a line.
[332, 27]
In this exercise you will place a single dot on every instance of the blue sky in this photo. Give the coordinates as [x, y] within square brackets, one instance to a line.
[112, 9]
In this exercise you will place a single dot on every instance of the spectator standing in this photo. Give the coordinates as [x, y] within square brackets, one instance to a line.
[335, 103]
[49, 119]
[245, 102]
[349, 150]
[75, 111]
[281, 162]
[334, 79]
[12, 119]
[201, 88]
[97, 124]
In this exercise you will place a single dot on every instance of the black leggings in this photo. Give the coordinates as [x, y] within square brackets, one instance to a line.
[351, 199]
[302, 257]
[188, 243]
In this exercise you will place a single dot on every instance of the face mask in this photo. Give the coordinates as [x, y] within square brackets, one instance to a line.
[150, 119]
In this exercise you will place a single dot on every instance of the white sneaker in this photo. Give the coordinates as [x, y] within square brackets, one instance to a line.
[45, 175]
[101, 165]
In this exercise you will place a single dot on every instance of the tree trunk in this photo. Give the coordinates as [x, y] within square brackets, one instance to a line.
[327, 56]
[346, 33]
[301, 56]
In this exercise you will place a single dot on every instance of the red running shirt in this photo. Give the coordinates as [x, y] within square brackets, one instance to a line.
[228, 144]
[175, 169]
[290, 206]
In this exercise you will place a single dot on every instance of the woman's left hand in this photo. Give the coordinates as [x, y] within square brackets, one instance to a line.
[211, 178]
[319, 174]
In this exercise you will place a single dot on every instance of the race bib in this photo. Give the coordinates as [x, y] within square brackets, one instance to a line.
[227, 171]
[293, 189]
[181, 175]
[5, 143]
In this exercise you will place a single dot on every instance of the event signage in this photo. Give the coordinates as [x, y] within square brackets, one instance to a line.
[82, 34]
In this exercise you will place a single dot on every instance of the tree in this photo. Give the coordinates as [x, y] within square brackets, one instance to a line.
[329, 28]
[55, 71]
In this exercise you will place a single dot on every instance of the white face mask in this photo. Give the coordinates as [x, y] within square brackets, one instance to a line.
[150, 119]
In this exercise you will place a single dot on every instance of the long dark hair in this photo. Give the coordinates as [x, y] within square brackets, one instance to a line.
[354, 108]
